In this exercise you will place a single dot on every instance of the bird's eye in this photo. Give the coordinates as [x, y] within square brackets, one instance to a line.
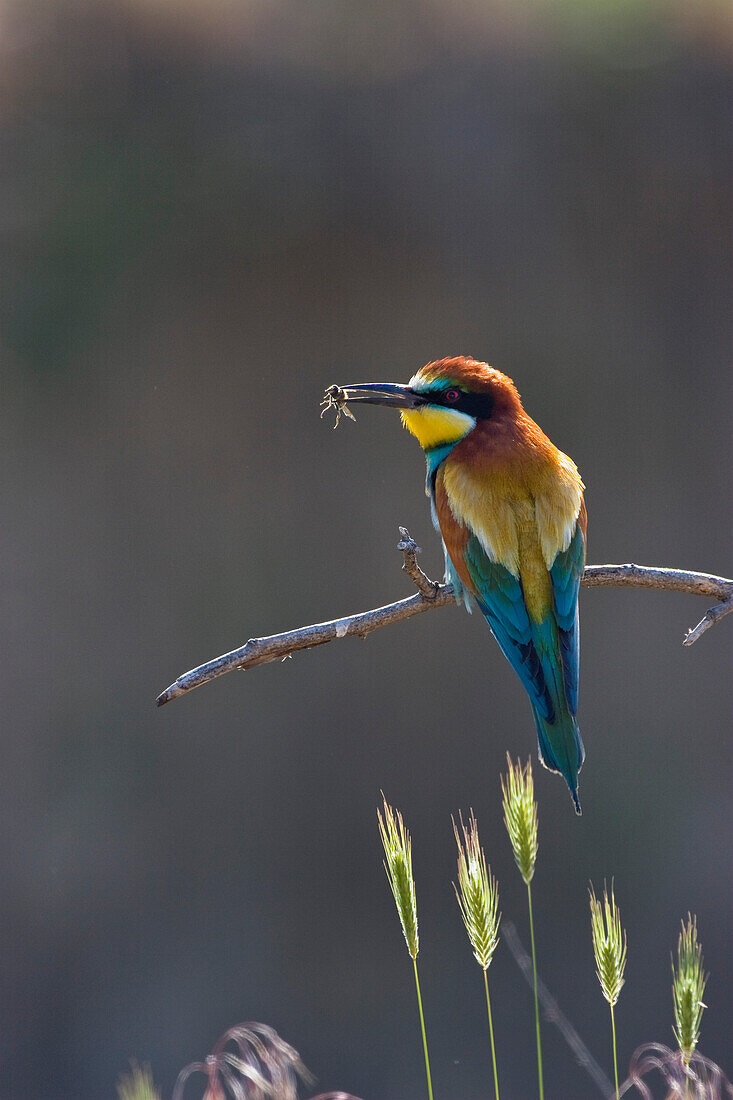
[452, 396]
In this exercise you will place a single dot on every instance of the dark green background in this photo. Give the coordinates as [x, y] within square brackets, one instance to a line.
[210, 211]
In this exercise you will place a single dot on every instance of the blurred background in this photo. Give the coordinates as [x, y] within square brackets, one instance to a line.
[210, 211]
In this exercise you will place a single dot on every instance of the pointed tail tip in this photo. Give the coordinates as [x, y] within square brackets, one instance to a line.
[576, 802]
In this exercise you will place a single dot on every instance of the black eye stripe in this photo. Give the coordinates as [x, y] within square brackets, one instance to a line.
[477, 405]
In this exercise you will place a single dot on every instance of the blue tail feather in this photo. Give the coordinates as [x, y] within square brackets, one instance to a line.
[560, 744]
[543, 654]
[561, 750]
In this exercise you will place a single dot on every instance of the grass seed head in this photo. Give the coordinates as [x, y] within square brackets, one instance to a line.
[477, 893]
[137, 1084]
[520, 815]
[688, 986]
[398, 865]
[609, 944]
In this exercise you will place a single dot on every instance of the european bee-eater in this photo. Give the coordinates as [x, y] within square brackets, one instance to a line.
[509, 506]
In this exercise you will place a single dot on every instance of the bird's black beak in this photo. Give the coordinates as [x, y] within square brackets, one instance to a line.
[383, 393]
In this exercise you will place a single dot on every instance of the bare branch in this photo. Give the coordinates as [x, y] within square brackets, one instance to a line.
[430, 594]
[678, 580]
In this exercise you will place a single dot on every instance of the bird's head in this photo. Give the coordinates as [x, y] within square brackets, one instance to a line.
[444, 400]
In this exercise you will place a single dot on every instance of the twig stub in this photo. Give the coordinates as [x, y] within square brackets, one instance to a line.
[410, 550]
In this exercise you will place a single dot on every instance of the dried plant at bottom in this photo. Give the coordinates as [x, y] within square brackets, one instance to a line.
[249, 1062]
[658, 1072]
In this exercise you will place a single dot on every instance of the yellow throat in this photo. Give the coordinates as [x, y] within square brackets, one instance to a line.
[433, 426]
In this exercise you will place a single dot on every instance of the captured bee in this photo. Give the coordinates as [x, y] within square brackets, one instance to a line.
[335, 398]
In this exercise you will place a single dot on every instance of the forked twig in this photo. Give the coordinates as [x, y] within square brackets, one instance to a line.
[431, 594]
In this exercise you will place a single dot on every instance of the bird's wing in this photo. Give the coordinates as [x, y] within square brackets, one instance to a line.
[500, 596]
[566, 571]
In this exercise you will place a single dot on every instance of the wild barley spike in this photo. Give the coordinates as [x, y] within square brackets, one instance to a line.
[609, 948]
[609, 944]
[137, 1085]
[477, 893]
[398, 865]
[478, 900]
[520, 816]
[688, 986]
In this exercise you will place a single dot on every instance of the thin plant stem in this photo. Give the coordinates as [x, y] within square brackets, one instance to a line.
[615, 1058]
[536, 1002]
[422, 1028]
[491, 1036]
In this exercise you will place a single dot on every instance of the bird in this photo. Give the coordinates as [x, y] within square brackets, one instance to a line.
[510, 510]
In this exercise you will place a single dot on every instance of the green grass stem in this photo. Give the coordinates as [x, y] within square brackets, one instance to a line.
[536, 1000]
[615, 1056]
[422, 1029]
[491, 1036]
